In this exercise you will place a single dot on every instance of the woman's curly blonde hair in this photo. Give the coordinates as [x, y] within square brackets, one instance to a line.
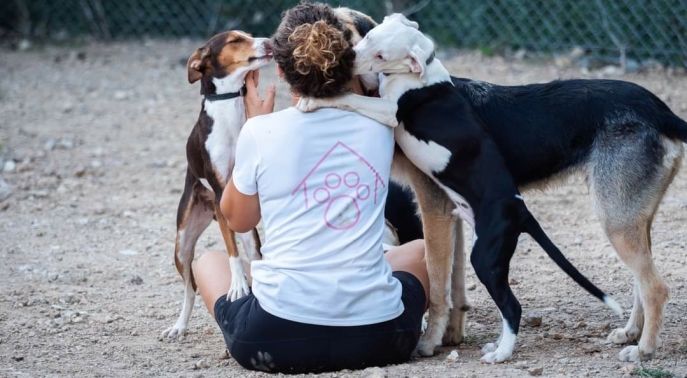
[318, 46]
[313, 49]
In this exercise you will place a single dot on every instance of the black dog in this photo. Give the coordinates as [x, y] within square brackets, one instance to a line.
[481, 143]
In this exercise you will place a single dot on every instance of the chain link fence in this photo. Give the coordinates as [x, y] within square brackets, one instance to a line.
[608, 30]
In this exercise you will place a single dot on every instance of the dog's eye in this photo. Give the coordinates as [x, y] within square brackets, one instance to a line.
[379, 56]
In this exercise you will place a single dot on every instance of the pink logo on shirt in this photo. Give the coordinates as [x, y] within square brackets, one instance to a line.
[341, 191]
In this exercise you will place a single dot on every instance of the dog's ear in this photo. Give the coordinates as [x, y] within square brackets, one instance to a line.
[402, 19]
[196, 64]
[418, 60]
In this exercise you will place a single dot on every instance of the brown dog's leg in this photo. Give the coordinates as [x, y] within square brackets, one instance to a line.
[455, 331]
[627, 200]
[438, 225]
[193, 217]
[239, 284]
[227, 234]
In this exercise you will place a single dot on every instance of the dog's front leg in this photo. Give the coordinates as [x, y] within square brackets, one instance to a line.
[491, 257]
[438, 224]
[239, 283]
[379, 109]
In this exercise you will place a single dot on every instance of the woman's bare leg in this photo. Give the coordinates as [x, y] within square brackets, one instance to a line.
[410, 257]
[213, 277]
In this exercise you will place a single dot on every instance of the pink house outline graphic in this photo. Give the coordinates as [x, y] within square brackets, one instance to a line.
[303, 184]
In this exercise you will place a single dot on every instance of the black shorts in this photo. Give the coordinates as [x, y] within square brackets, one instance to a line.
[259, 340]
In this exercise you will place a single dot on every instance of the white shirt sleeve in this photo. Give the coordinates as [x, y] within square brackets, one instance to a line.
[245, 174]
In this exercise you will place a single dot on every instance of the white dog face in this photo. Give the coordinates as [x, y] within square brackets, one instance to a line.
[394, 46]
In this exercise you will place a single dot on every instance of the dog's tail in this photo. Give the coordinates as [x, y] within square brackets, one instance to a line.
[533, 228]
[670, 124]
[675, 127]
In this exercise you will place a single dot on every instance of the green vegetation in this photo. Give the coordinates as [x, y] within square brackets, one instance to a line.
[651, 372]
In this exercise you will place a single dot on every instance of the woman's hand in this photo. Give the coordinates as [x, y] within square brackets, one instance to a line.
[254, 104]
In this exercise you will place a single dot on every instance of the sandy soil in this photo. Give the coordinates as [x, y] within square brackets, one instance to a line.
[92, 147]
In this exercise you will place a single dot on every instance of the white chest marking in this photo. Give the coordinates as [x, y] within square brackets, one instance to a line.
[227, 117]
[427, 156]
[205, 183]
[432, 157]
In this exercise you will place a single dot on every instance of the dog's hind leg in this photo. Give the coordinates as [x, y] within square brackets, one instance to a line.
[455, 331]
[193, 217]
[438, 223]
[628, 180]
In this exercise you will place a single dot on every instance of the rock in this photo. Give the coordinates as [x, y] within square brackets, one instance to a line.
[533, 319]
[375, 372]
[5, 190]
[453, 356]
[80, 171]
[128, 252]
[49, 144]
[121, 95]
[65, 144]
[225, 355]
[9, 166]
[536, 371]
[611, 71]
[628, 370]
[591, 348]
[520, 54]
[24, 45]
[67, 107]
[136, 280]
[201, 364]
[18, 358]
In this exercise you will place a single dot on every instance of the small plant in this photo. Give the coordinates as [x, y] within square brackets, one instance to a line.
[651, 373]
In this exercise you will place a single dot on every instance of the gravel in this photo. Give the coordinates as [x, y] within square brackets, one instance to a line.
[87, 227]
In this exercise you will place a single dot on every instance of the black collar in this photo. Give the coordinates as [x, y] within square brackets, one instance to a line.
[226, 96]
[430, 59]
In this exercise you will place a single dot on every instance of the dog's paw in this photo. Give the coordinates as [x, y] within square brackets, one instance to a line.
[425, 349]
[629, 354]
[176, 332]
[495, 357]
[306, 104]
[621, 336]
[618, 336]
[489, 348]
[239, 288]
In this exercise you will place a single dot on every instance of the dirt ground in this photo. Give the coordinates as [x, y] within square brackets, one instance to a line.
[92, 151]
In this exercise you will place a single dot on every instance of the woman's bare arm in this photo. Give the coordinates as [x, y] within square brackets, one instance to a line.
[241, 211]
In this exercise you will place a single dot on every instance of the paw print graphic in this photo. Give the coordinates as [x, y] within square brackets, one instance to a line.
[340, 195]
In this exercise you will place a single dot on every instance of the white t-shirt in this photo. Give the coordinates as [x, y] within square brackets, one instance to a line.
[322, 180]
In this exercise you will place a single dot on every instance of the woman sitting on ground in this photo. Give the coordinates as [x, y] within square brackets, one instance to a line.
[324, 296]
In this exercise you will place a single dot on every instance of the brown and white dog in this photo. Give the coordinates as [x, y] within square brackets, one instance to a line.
[221, 65]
